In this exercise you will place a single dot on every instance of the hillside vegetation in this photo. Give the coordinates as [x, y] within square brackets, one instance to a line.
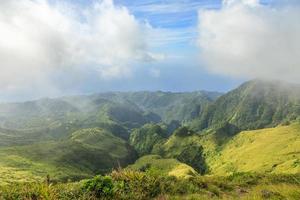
[255, 104]
[127, 184]
[163, 166]
[271, 150]
[147, 138]
[86, 153]
[154, 145]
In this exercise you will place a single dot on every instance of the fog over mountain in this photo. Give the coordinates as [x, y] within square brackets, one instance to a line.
[149, 99]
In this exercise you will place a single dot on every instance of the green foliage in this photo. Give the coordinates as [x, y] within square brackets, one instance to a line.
[270, 150]
[86, 153]
[145, 138]
[185, 146]
[173, 106]
[155, 164]
[100, 186]
[193, 156]
[254, 105]
[127, 184]
[77, 137]
[224, 132]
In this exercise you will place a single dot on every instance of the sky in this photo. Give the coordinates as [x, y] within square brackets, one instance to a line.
[51, 48]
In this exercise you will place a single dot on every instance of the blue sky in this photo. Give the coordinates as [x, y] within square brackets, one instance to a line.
[180, 71]
[52, 48]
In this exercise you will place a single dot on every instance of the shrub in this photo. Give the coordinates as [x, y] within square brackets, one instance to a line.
[100, 186]
[136, 185]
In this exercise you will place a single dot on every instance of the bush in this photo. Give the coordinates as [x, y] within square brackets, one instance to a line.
[100, 186]
[134, 185]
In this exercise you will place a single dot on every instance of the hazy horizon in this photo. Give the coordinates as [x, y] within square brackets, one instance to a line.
[52, 48]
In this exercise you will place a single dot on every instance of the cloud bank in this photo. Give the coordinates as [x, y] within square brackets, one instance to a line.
[38, 38]
[249, 40]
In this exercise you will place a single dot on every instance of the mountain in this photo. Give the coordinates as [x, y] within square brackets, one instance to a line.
[171, 106]
[255, 104]
[270, 150]
[116, 111]
[175, 143]
[85, 153]
[82, 111]
[145, 139]
[79, 136]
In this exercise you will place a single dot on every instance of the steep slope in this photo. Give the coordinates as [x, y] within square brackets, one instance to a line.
[173, 106]
[57, 118]
[185, 146]
[120, 112]
[86, 153]
[270, 150]
[255, 104]
[145, 139]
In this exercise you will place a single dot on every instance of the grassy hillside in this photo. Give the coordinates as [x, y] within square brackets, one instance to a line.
[247, 132]
[271, 150]
[86, 153]
[186, 149]
[163, 166]
[127, 184]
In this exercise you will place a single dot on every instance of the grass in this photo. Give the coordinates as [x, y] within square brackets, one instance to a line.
[127, 184]
[86, 153]
[271, 150]
[163, 166]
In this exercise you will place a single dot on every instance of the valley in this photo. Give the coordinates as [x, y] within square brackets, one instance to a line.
[252, 132]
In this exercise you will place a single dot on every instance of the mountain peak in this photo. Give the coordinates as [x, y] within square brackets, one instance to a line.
[255, 104]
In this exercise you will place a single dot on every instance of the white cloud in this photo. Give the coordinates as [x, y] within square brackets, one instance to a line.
[37, 38]
[154, 72]
[246, 39]
[245, 2]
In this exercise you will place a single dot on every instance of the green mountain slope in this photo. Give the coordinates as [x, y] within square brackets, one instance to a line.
[255, 104]
[146, 138]
[163, 166]
[86, 153]
[117, 112]
[80, 136]
[271, 150]
[187, 149]
[173, 106]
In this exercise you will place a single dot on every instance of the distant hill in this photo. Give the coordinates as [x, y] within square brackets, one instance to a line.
[255, 104]
[170, 106]
[116, 111]
[79, 136]
[253, 128]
